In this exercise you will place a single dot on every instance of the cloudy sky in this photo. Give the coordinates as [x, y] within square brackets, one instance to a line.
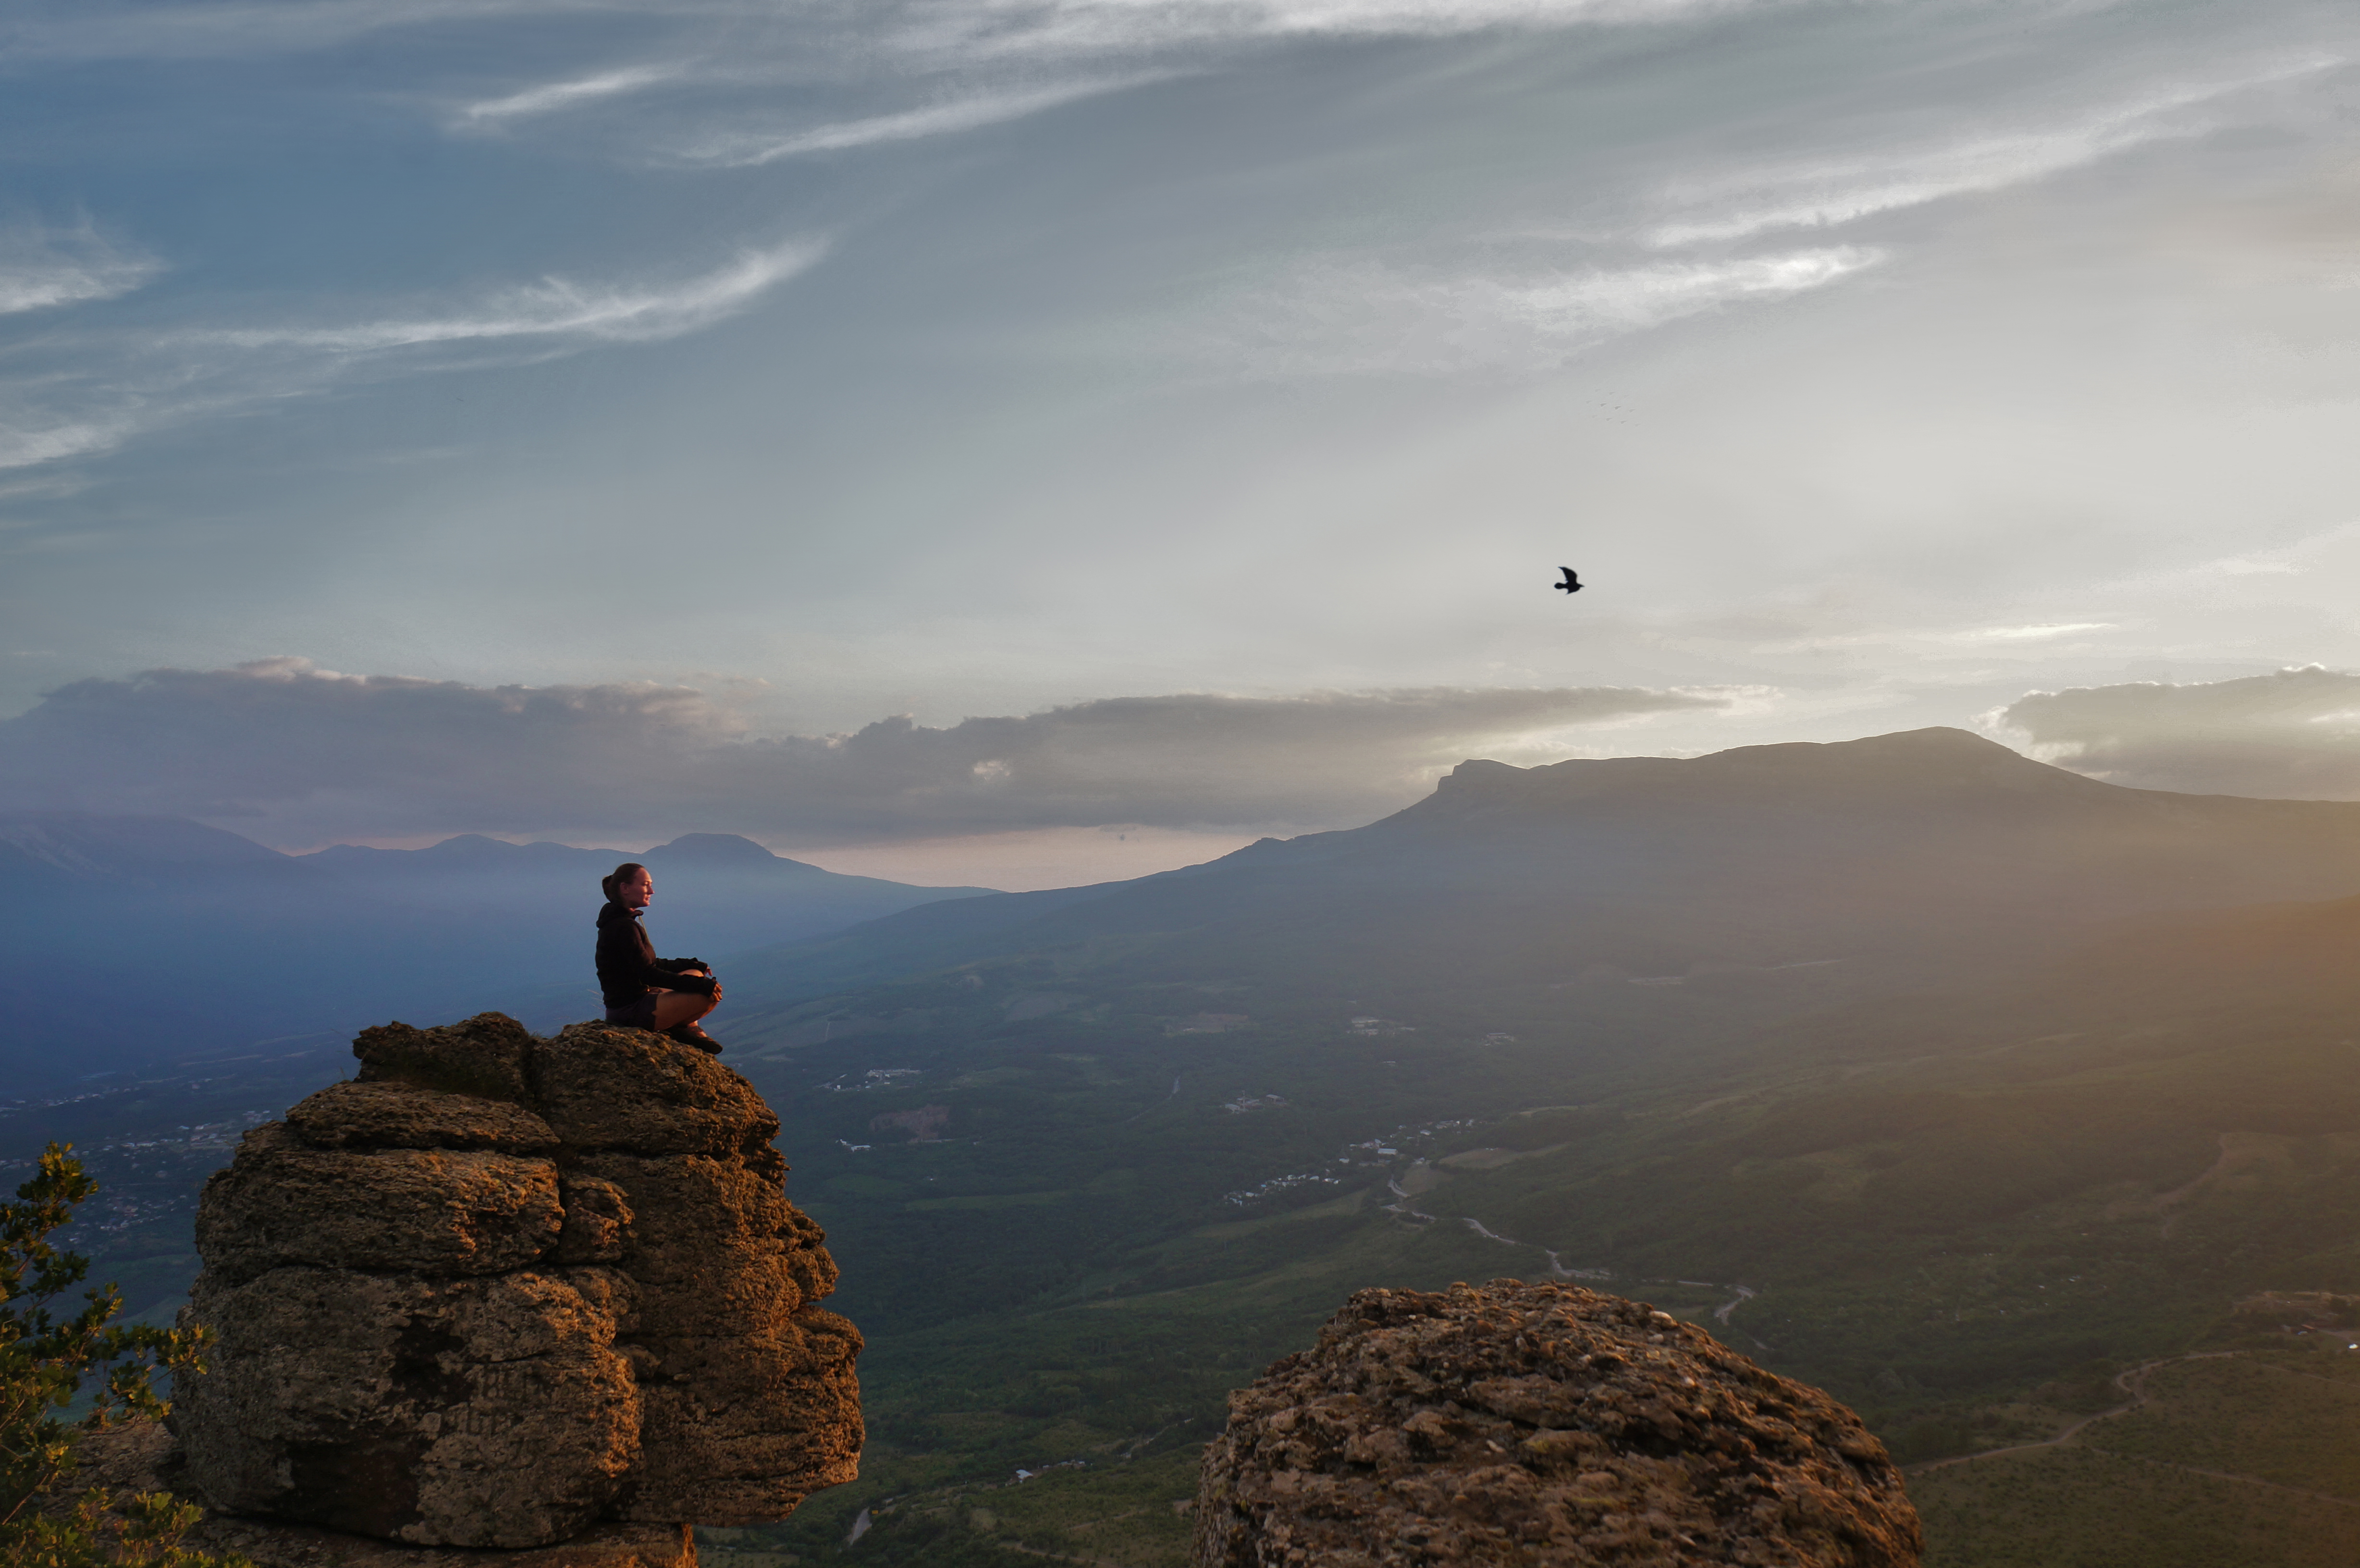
[1013, 440]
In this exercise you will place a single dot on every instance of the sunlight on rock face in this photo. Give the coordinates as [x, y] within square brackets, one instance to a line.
[503, 1288]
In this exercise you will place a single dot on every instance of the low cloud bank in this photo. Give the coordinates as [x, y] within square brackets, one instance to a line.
[295, 756]
[2291, 734]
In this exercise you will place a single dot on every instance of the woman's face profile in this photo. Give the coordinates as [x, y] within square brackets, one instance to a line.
[636, 889]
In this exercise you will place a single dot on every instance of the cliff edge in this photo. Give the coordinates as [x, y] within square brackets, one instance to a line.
[1540, 1424]
[501, 1291]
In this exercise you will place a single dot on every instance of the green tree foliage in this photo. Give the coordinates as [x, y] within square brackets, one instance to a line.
[45, 1360]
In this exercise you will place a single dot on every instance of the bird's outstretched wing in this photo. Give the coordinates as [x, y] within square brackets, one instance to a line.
[1572, 585]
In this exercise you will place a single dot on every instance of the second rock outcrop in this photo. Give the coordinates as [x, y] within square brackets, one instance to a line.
[1540, 1424]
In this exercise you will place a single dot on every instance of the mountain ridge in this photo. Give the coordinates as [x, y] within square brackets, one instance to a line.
[87, 845]
[84, 845]
[1924, 846]
[195, 935]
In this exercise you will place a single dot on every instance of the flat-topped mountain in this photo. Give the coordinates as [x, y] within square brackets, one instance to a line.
[1927, 767]
[1932, 802]
[1926, 847]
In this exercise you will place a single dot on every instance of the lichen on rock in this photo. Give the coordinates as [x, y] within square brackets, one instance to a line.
[1540, 1424]
[500, 1289]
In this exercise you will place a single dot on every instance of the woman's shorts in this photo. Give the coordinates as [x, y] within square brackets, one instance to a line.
[639, 1013]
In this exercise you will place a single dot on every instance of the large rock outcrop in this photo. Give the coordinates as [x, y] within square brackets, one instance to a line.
[500, 1289]
[1540, 1424]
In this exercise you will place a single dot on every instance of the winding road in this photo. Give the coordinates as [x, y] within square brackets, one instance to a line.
[1404, 1208]
[2133, 1382]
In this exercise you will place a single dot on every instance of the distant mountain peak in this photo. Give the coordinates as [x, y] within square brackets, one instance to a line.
[82, 845]
[1934, 742]
[1935, 760]
[712, 848]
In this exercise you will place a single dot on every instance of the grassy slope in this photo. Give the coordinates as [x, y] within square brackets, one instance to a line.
[2252, 1459]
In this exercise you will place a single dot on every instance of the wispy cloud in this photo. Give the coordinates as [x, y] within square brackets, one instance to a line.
[552, 97]
[1356, 317]
[554, 307]
[1010, 58]
[978, 30]
[32, 444]
[42, 267]
[1812, 194]
[741, 149]
[113, 29]
[2044, 632]
[965, 30]
[42, 485]
[107, 389]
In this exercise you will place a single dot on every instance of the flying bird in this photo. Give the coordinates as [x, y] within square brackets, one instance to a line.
[1571, 584]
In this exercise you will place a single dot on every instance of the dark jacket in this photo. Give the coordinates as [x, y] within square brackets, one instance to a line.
[627, 964]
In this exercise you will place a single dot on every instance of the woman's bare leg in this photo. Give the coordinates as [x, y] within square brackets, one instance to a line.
[674, 1009]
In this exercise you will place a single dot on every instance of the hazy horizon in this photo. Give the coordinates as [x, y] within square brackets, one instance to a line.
[1022, 860]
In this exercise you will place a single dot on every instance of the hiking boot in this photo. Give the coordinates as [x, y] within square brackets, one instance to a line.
[689, 1034]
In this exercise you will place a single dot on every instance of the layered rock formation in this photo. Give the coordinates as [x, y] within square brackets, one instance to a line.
[141, 1457]
[500, 1289]
[1540, 1424]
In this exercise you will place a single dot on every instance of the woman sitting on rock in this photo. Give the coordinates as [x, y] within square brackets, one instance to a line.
[642, 991]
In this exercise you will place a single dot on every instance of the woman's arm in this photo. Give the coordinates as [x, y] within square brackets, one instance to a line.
[698, 982]
[627, 964]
